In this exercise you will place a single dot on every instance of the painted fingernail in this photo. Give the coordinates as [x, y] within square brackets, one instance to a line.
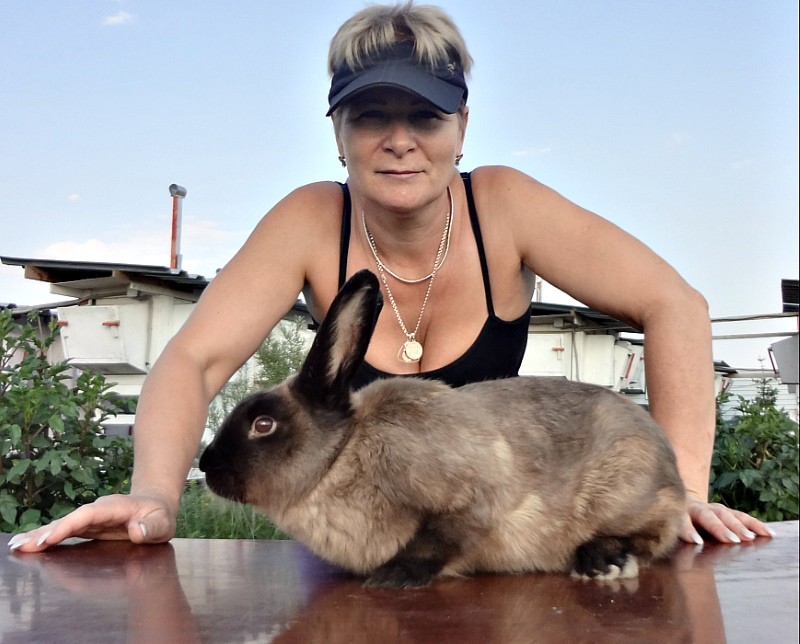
[697, 539]
[44, 537]
[747, 534]
[16, 537]
[772, 532]
[732, 536]
[143, 529]
[17, 542]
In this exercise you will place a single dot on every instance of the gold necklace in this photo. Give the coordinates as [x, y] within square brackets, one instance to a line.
[405, 280]
[411, 350]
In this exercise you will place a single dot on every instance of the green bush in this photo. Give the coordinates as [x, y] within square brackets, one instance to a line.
[755, 462]
[54, 455]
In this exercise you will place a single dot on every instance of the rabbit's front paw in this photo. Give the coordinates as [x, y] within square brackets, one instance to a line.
[605, 558]
[404, 573]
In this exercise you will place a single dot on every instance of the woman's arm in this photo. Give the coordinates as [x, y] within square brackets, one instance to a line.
[236, 312]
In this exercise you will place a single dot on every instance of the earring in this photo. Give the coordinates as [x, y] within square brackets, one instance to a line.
[343, 161]
[458, 158]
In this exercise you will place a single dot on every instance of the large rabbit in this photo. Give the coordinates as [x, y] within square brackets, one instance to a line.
[409, 479]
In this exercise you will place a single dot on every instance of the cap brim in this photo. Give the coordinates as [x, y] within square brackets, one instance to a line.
[408, 77]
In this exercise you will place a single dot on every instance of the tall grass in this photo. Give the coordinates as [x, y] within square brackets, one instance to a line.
[205, 516]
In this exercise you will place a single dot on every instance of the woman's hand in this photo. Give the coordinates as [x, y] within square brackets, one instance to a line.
[722, 523]
[139, 518]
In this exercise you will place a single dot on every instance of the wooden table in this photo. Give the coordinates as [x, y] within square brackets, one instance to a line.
[272, 591]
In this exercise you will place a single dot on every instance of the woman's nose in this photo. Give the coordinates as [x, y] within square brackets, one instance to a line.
[400, 136]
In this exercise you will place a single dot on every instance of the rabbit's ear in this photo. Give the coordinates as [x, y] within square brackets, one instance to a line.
[341, 342]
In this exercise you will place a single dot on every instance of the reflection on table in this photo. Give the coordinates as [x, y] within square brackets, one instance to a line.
[272, 591]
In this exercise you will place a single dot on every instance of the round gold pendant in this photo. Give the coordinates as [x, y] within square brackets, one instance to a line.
[411, 351]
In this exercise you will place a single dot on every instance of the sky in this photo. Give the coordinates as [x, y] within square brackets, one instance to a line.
[677, 120]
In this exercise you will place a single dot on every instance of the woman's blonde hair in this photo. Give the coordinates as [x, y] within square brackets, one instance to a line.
[434, 34]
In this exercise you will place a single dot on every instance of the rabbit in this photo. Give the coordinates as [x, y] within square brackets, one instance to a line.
[409, 479]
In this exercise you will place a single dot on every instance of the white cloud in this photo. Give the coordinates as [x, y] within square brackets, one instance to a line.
[119, 18]
[73, 197]
[205, 247]
[144, 250]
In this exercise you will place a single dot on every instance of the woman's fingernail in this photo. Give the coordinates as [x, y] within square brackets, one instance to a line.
[15, 538]
[44, 537]
[17, 541]
[697, 539]
[772, 532]
[749, 535]
[143, 529]
[732, 536]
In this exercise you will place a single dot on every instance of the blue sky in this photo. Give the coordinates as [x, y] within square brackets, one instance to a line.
[676, 120]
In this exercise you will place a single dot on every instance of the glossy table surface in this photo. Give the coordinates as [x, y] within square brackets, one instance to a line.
[271, 591]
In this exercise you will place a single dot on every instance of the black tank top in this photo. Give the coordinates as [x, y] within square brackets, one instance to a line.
[497, 351]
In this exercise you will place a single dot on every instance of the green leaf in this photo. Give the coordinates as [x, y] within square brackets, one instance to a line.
[82, 476]
[725, 479]
[8, 509]
[18, 469]
[55, 465]
[31, 516]
[748, 477]
[15, 433]
[60, 509]
[56, 423]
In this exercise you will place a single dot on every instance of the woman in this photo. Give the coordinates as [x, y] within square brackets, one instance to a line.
[456, 257]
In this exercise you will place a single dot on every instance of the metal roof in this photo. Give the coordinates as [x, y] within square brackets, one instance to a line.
[92, 275]
[67, 271]
[580, 317]
[88, 276]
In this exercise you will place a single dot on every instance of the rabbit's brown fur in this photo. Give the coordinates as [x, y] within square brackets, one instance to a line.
[408, 479]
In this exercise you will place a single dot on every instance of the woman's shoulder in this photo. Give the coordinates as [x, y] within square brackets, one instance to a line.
[317, 197]
[500, 178]
[310, 208]
[503, 191]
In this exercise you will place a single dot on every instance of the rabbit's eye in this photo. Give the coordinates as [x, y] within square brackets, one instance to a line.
[263, 426]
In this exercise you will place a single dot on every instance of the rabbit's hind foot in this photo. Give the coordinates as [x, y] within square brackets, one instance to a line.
[605, 558]
[411, 572]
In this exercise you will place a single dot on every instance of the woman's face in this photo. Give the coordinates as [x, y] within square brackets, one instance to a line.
[400, 149]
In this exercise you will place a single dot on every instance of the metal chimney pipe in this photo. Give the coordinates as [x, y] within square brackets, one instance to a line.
[178, 193]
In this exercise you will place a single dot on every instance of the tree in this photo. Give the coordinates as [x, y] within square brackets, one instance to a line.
[54, 454]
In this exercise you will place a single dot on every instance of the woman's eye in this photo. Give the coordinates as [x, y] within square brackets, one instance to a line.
[425, 119]
[371, 115]
[263, 426]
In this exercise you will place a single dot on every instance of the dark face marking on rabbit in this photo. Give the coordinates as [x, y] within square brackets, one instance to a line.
[271, 449]
[235, 451]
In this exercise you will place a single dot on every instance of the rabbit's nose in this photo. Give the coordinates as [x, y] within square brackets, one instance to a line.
[208, 460]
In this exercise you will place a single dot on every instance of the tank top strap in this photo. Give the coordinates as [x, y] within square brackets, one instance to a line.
[344, 237]
[476, 231]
